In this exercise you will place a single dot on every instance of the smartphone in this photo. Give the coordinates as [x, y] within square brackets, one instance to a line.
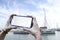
[22, 21]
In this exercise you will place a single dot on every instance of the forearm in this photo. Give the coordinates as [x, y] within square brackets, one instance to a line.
[2, 35]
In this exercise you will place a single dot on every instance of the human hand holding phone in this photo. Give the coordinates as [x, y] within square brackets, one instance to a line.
[35, 30]
[6, 29]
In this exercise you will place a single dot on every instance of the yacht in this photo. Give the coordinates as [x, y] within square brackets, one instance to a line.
[45, 30]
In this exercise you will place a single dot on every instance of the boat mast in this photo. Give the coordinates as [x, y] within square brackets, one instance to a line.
[45, 21]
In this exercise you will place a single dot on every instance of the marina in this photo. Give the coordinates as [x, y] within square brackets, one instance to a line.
[11, 36]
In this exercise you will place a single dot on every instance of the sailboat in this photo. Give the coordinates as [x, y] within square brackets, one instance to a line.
[45, 30]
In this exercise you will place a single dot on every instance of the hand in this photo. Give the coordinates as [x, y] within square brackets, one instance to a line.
[9, 20]
[35, 30]
[7, 28]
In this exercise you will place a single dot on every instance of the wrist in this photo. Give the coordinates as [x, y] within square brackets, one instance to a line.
[4, 31]
[3, 34]
[38, 36]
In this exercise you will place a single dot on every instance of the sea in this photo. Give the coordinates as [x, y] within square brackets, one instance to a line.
[11, 36]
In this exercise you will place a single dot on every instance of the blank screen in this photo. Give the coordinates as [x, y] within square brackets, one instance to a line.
[21, 21]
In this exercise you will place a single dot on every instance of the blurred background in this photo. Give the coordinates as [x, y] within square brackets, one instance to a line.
[36, 8]
[47, 13]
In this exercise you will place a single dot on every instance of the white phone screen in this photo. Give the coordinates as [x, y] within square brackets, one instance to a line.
[21, 21]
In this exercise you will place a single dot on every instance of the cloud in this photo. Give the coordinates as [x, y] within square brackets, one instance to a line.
[34, 8]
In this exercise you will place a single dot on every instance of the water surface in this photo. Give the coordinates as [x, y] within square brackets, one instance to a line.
[11, 36]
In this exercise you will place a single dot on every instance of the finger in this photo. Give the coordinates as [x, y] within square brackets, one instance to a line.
[13, 27]
[11, 16]
[7, 29]
[9, 20]
[35, 24]
[26, 29]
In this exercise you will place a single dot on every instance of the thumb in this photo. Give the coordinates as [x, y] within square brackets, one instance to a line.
[26, 29]
[30, 31]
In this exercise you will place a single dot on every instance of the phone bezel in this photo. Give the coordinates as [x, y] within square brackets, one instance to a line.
[31, 25]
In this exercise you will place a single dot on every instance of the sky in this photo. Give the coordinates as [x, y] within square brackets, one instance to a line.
[32, 7]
